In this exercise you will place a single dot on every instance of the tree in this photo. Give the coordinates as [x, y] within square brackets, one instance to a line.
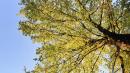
[77, 34]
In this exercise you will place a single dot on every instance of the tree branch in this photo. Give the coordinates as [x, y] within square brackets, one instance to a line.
[116, 55]
[96, 60]
[122, 64]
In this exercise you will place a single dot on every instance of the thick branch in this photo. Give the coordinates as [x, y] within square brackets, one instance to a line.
[117, 37]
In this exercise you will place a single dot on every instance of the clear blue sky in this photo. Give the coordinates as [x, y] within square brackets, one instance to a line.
[16, 50]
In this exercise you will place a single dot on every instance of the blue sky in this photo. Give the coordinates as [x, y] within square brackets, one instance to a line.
[16, 50]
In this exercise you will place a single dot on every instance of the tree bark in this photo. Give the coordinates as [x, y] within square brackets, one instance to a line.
[125, 38]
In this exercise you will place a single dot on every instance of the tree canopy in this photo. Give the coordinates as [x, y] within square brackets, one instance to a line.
[78, 35]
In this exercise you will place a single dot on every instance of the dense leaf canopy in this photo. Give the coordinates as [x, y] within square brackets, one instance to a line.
[77, 36]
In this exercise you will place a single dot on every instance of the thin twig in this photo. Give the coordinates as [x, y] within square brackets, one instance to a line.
[96, 60]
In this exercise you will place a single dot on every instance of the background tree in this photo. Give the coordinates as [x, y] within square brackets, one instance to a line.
[76, 35]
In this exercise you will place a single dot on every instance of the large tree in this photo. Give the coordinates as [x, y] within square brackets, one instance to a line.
[78, 35]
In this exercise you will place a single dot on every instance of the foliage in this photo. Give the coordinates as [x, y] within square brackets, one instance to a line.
[70, 41]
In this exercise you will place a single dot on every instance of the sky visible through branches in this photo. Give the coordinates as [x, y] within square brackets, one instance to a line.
[16, 51]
